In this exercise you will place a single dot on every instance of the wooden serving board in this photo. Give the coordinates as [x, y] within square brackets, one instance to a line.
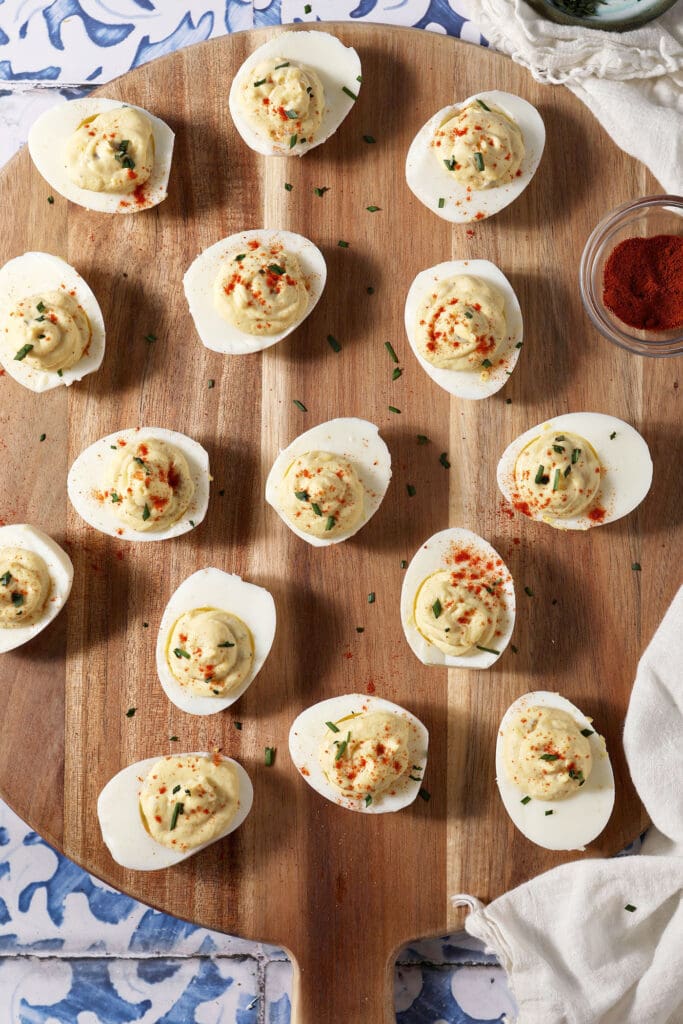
[341, 891]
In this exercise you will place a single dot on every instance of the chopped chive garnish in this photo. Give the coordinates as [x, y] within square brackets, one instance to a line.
[341, 747]
[23, 352]
[225, 643]
[150, 337]
[424, 793]
[349, 93]
[539, 475]
[567, 470]
[238, 726]
[42, 437]
[392, 408]
[291, 114]
[288, 186]
[558, 448]
[575, 455]
[333, 343]
[360, 629]
[176, 789]
[443, 459]
[359, 78]
[397, 373]
[370, 290]
[613, 435]
[436, 608]
[371, 597]
[469, 314]
[577, 776]
[547, 813]
[450, 164]
[241, 256]
[180, 652]
[368, 800]
[17, 599]
[136, 458]
[489, 650]
[177, 810]
[636, 567]
[332, 726]
[130, 712]
[519, 344]
[550, 757]
[515, 650]
[479, 161]
[508, 401]
[321, 190]
[50, 200]
[415, 778]
[261, 81]
[41, 306]
[587, 732]
[173, 739]
[6, 579]
[442, 203]
[275, 268]
[300, 405]
[307, 8]
[422, 439]
[342, 244]
[331, 521]
[390, 349]
[483, 105]
[278, 66]
[373, 209]
[487, 363]
[211, 383]
[192, 523]
[269, 757]
[528, 591]
[316, 508]
[301, 495]
[630, 908]
[146, 512]
[115, 497]
[411, 490]
[560, 437]
[404, 564]
[556, 481]
[369, 139]
[525, 800]
[292, 141]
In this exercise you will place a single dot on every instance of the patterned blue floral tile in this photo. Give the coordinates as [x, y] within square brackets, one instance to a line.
[446, 16]
[278, 992]
[459, 948]
[441, 995]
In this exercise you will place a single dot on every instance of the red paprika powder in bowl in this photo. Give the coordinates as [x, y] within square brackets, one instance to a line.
[631, 276]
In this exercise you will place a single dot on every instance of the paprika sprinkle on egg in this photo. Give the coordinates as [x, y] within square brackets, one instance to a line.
[643, 282]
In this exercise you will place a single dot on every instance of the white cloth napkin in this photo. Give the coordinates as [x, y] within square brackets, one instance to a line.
[573, 952]
[631, 81]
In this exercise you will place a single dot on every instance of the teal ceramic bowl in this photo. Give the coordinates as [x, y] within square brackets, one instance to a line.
[609, 15]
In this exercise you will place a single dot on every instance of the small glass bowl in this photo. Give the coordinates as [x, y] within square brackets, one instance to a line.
[651, 215]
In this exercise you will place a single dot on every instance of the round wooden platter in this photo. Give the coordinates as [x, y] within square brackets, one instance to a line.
[340, 891]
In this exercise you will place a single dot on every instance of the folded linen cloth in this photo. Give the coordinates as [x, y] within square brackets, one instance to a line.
[631, 81]
[601, 941]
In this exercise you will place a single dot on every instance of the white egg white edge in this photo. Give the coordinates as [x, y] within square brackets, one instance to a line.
[92, 464]
[422, 165]
[128, 841]
[23, 535]
[49, 134]
[320, 51]
[220, 335]
[18, 282]
[626, 459]
[308, 732]
[593, 802]
[361, 440]
[468, 383]
[214, 588]
[430, 558]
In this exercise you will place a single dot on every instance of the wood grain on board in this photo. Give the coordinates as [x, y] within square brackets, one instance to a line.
[341, 891]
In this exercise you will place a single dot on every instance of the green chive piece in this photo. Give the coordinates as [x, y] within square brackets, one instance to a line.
[556, 481]
[422, 439]
[577, 776]
[42, 437]
[177, 810]
[291, 114]
[238, 726]
[146, 512]
[575, 455]
[479, 161]
[558, 448]
[23, 352]
[136, 458]
[547, 813]
[292, 141]
[369, 139]
[508, 401]
[6, 579]
[17, 599]
[225, 643]
[368, 800]
[320, 192]
[636, 567]
[392, 408]
[331, 522]
[539, 475]
[180, 652]
[411, 490]
[278, 66]
[360, 629]
[515, 650]
[41, 307]
[301, 495]
[130, 712]
[436, 608]
[349, 93]
[173, 739]
[483, 105]
[341, 747]
[469, 314]
[241, 256]
[150, 337]
[371, 597]
[630, 908]
[587, 732]
[342, 244]
[397, 373]
[332, 726]
[549, 757]
[442, 203]
[316, 508]
[528, 591]
[416, 778]
[390, 349]
[373, 209]
[450, 164]
[115, 498]
[261, 81]
[50, 200]
[333, 343]
[567, 471]
[613, 435]
[404, 564]
[192, 523]
[425, 794]
[443, 459]
[176, 789]
[300, 405]
[274, 268]
[486, 363]
[525, 800]
[211, 383]
[307, 8]
[359, 78]
[489, 650]
[269, 756]
[288, 187]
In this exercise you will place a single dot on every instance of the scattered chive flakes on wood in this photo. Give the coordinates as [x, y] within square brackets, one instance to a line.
[269, 756]
[404, 564]
[390, 349]
[43, 436]
[369, 139]
[211, 384]
[321, 190]
[333, 343]
[50, 200]
[150, 337]
[443, 459]
[397, 373]
[515, 650]
[130, 712]
[342, 244]
[371, 597]
[424, 793]
[288, 187]
[360, 629]
[636, 567]
[370, 290]
[373, 209]
[528, 591]
[392, 408]
[300, 405]
[422, 439]
[411, 490]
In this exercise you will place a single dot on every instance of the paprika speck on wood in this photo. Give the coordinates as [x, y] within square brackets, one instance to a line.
[643, 282]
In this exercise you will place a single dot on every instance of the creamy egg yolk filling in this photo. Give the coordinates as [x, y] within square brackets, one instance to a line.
[368, 753]
[546, 754]
[150, 486]
[48, 331]
[187, 801]
[321, 494]
[456, 615]
[461, 323]
[210, 651]
[282, 99]
[111, 152]
[25, 587]
[480, 146]
[558, 473]
[261, 291]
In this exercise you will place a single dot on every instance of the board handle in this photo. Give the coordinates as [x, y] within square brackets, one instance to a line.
[357, 989]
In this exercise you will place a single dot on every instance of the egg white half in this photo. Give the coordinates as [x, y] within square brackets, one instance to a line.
[625, 457]
[23, 535]
[219, 334]
[30, 274]
[308, 732]
[213, 588]
[128, 841]
[50, 133]
[88, 475]
[356, 440]
[336, 65]
[431, 182]
[433, 556]
[471, 384]
[576, 820]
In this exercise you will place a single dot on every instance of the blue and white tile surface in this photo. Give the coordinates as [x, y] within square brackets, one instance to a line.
[72, 950]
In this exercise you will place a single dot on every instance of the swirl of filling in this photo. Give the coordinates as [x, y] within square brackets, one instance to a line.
[189, 800]
[545, 753]
[456, 615]
[25, 587]
[210, 651]
[557, 473]
[368, 755]
[321, 494]
[281, 98]
[150, 486]
[48, 331]
[261, 291]
[112, 151]
[480, 146]
[460, 323]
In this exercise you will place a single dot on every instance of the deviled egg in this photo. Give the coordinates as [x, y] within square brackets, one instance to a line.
[215, 635]
[292, 93]
[364, 753]
[252, 289]
[144, 483]
[103, 154]
[464, 325]
[576, 471]
[553, 772]
[35, 583]
[330, 480]
[457, 601]
[51, 326]
[472, 159]
[160, 811]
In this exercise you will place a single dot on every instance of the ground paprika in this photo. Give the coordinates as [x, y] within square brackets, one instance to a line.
[643, 282]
